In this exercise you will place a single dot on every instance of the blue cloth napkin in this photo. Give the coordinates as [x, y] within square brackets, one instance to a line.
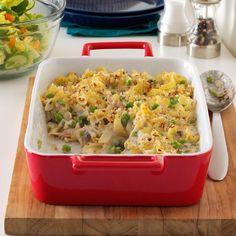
[147, 28]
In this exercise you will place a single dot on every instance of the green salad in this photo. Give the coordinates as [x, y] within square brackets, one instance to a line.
[21, 45]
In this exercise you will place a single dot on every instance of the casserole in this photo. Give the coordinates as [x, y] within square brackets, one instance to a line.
[106, 179]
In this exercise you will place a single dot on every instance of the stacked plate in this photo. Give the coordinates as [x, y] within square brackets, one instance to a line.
[111, 13]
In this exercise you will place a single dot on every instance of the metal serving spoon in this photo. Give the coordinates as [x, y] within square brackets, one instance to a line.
[219, 91]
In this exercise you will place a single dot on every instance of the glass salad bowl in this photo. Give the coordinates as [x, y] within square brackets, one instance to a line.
[28, 30]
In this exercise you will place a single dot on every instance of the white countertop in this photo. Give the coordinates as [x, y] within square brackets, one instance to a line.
[13, 92]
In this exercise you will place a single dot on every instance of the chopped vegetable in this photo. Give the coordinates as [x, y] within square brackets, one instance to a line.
[12, 42]
[215, 93]
[61, 102]
[135, 134]
[50, 95]
[216, 87]
[33, 28]
[73, 124]
[21, 8]
[210, 79]
[36, 44]
[182, 141]
[173, 101]
[129, 105]
[83, 121]
[128, 82]
[16, 61]
[9, 17]
[39, 143]
[154, 106]
[182, 82]
[116, 149]
[58, 117]
[178, 144]
[82, 133]
[66, 148]
[125, 119]
[92, 109]
[23, 30]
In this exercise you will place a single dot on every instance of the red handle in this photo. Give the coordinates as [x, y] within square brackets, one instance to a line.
[110, 45]
[149, 163]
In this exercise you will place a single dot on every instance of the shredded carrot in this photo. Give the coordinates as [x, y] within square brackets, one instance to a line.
[9, 17]
[23, 30]
[12, 42]
[36, 44]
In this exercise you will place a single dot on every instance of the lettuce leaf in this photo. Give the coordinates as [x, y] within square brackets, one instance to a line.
[10, 3]
[16, 7]
[21, 8]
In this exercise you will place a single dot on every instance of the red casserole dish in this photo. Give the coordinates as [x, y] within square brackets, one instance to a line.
[106, 179]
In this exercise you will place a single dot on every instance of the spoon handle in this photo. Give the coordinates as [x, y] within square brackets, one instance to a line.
[219, 160]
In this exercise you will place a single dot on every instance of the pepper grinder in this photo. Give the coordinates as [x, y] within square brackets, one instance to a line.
[204, 39]
[173, 24]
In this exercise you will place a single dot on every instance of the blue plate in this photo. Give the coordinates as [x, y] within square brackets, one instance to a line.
[108, 21]
[114, 7]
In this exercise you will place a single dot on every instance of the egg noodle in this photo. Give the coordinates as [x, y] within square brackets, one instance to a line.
[122, 112]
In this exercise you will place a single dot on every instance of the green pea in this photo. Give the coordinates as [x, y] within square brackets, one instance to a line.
[83, 121]
[92, 109]
[61, 102]
[116, 149]
[125, 119]
[58, 117]
[173, 101]
[50, 95]
[73, 124]
[154, 106]
[129, 105]
[182, 82]
[176, 145]
[128, 82]
[66, 148]
[82, 133]
[182, 141]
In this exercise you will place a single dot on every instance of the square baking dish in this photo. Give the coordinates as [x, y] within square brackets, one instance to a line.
[106, 179]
